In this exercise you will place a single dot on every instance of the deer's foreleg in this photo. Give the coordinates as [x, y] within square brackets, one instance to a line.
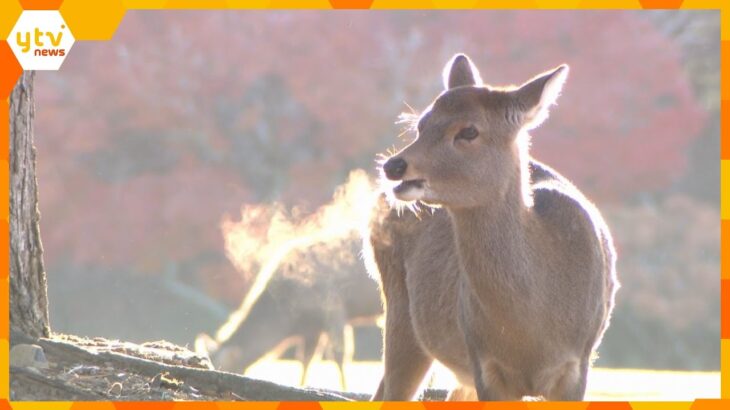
[406, 363]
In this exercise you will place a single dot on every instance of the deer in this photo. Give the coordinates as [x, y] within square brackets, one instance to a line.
[311, 313]
[504, 272]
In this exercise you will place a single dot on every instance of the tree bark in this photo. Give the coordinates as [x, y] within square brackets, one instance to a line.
[28, 290]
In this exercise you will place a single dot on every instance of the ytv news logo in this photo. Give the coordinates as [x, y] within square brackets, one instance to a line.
[40, 40]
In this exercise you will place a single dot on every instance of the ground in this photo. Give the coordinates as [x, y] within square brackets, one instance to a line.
[66, 367]
[74, 368]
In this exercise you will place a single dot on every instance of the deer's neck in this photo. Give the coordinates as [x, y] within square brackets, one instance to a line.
[493, 248]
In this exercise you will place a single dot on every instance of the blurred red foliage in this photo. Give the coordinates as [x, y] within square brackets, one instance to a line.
[145, 142]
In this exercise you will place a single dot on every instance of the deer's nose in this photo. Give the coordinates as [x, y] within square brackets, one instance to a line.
[395, 168]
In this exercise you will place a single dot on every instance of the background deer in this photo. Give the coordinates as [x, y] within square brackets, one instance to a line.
[311, 310]
[509, 280]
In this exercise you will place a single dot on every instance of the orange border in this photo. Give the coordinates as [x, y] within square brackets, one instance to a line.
[97, 20]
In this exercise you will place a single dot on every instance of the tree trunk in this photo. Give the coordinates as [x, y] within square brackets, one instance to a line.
[28, 293]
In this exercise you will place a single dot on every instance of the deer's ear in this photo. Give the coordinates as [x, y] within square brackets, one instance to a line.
[534, 98]
[460, 71]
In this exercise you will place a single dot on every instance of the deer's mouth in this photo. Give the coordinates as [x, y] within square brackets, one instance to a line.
[410, 190]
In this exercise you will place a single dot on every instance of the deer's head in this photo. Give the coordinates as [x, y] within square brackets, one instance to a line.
[471, 141]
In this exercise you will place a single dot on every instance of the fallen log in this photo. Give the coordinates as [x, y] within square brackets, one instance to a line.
[207, 381]
[29, 383]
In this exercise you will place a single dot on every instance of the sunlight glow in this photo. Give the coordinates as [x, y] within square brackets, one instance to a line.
[603, 384]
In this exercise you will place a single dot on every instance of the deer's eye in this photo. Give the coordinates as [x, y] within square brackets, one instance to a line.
[467, 133]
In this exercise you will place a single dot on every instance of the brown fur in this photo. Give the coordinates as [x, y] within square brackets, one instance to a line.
[510, 281]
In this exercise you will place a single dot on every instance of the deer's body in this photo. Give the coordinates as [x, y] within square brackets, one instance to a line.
[309, 312]
[510, 282]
